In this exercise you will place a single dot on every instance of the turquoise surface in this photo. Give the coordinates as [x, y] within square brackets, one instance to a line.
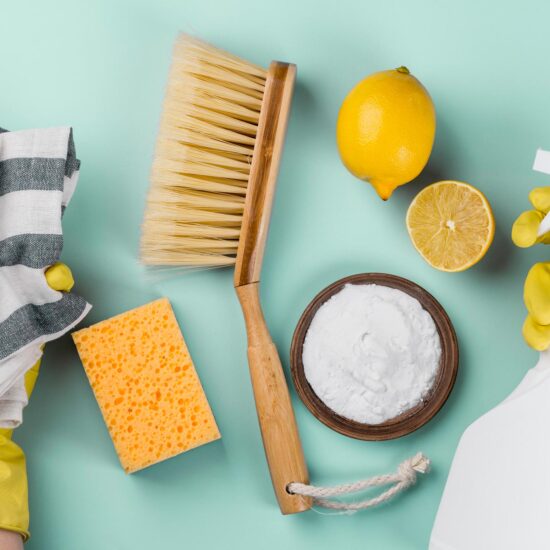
[101, 67]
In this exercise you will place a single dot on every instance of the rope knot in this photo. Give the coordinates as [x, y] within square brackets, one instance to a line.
[409, 468]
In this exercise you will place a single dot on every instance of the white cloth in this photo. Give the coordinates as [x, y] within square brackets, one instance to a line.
[12, 403]
[542, 161]
[497, 495]
[542, 164]
[38, 175]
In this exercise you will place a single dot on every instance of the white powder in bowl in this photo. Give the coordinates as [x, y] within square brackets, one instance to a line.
[371, 353]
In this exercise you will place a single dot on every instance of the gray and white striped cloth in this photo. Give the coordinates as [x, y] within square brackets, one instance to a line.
[38, 175]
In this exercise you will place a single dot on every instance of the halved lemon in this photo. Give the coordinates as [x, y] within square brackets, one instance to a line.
[451, 224]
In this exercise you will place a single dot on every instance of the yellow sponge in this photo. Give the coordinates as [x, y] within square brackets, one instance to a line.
[146, 385]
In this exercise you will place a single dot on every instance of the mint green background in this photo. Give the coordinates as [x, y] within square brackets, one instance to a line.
[101, 67]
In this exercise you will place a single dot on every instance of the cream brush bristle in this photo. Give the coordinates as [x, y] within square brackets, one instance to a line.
[203, 155]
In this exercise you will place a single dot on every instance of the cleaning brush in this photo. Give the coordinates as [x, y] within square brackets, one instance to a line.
[212, 186]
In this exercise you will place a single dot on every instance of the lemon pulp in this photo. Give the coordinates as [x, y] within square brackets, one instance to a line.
[451, 225]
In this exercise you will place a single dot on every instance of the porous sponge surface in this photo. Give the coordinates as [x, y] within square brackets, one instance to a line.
[146, 385]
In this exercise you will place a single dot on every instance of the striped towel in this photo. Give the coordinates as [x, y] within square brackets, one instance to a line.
[38, 175]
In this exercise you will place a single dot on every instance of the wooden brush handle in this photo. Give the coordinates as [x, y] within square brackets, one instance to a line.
[277, 423]
[282, 445]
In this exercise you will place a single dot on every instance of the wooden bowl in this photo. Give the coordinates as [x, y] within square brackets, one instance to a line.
[413, 418]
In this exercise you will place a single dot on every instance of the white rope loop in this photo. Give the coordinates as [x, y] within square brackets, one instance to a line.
[402, 479]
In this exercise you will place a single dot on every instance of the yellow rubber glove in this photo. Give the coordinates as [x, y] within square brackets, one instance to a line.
[537, 336]
[525, 231]
[59, 277]
[536, 295]
[14, 508]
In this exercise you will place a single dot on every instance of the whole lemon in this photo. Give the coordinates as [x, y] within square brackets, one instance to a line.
[386, 129]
